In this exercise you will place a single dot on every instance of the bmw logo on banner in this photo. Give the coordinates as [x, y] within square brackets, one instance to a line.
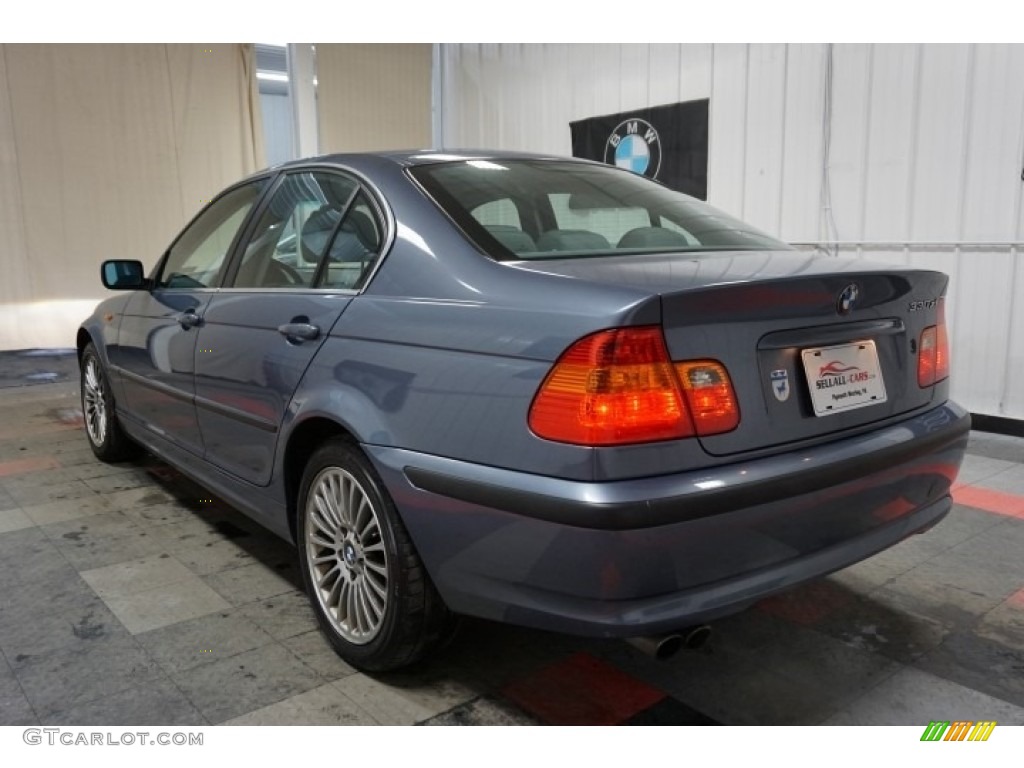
[668, 143]
[634, 145]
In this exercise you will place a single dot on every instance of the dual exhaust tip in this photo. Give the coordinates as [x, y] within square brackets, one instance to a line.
[662, 647]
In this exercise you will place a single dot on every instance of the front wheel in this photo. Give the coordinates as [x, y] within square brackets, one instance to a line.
[106, 438]
[369, 589]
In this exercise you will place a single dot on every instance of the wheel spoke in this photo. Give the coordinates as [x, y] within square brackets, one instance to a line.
[333, 596]
[362, 513]
[320, 542]
[364, 606]
[350, 502]
[338, 501]
[335, 571]
[325, 504]
[374, 594]
[323, 518]
[341, 610]
[350, 612]
[358, 622]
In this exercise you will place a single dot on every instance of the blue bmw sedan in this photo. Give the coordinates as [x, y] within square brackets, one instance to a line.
[531, 389]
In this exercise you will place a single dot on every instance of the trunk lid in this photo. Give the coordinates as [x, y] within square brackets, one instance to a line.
[804, 362]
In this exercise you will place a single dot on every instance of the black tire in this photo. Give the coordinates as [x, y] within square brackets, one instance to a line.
[107, 440]
[414, 619]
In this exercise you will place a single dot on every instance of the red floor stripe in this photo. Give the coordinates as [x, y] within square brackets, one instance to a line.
[1001, 503]
[1016, 600]
[21, 466]
[582, 690]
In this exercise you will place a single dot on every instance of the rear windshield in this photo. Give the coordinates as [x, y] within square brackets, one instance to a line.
[543, 209]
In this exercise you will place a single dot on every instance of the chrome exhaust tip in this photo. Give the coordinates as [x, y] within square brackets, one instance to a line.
[696, 637]
[662, 647]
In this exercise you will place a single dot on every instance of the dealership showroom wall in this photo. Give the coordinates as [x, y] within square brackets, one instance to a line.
[905, 155]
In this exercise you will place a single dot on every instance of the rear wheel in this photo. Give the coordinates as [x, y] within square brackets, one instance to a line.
[368, 586]
[106, 438]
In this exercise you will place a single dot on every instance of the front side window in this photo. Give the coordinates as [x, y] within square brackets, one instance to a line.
[568, 209]
[197, 257]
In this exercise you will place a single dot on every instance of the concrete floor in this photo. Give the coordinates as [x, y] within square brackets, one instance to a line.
[129, 596]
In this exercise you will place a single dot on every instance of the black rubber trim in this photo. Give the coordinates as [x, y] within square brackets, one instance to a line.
[199, 401]
[650, 513]
[159, 386]
[236, 414]
[1000, 425]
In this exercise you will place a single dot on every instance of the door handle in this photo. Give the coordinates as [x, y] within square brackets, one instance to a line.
[189, 319]
[299, 331]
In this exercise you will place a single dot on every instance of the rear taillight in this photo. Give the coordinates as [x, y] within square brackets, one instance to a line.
[709, 395]
[933, 351]
[610, 388]
[619, 386]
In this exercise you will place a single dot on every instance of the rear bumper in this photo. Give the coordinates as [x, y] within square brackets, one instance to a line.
[655, 554]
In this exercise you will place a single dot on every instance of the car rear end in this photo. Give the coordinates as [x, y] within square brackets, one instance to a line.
[777, 416]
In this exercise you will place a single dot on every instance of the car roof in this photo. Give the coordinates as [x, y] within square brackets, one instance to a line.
[412, 157]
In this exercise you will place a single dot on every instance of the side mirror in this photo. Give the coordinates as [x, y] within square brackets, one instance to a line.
[123, 275]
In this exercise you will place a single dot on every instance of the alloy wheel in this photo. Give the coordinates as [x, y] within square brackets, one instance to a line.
[94, 402]
[346, 556]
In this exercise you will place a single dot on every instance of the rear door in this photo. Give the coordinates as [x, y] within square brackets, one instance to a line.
[305, 257]
[157, 338]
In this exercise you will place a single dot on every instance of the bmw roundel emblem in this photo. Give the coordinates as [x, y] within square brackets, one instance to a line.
[636, 146]
[847, 298]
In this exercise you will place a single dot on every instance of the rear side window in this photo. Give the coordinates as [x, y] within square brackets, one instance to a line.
[537, 209]
[319, 230]
[291, 236]
[354, 247]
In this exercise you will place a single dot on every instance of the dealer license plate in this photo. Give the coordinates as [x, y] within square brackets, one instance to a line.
[843, 377]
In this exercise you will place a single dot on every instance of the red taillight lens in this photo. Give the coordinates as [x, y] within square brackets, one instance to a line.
[611, 388]
[933, 351]
[941, 345]
[926, 357]
[709, 395]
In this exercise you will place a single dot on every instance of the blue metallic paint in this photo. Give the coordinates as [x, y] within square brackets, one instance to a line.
[244, 364]
[154, 348]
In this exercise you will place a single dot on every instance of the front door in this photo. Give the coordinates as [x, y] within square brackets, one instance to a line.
[155, 356]
[293, 278]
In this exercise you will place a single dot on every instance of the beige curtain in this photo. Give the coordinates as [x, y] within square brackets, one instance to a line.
[105, 152]
[373, 96]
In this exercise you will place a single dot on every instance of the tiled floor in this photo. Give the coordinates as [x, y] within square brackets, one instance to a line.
[128, 598]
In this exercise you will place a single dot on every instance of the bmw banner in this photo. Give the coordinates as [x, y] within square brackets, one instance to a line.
[668, 143]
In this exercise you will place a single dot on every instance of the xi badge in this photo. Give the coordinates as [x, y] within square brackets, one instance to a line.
[780, 385]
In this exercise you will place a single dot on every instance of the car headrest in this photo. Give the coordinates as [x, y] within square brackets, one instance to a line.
[653, 237]
[511, 237]
[316, 230]
[572, 240]
[361, 225]
[356, 239]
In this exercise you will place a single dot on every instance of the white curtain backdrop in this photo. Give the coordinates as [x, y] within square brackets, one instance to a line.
[105, 152]
[373, 96]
